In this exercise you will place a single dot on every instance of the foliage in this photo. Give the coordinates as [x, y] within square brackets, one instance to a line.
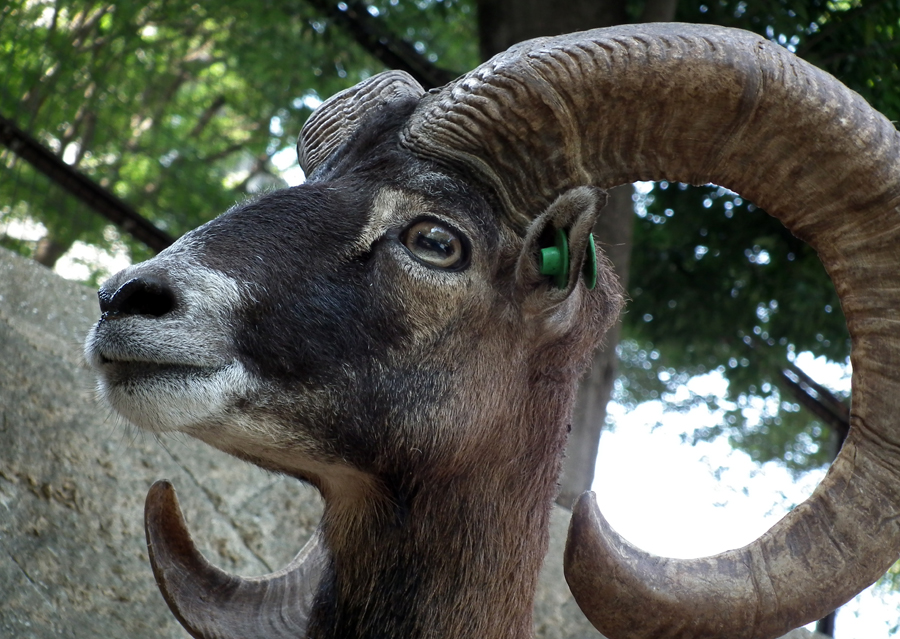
[441, 30]
[719, 286]
[177, 107]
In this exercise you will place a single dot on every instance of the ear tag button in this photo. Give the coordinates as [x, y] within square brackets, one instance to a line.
[589, 270]
[555, 259]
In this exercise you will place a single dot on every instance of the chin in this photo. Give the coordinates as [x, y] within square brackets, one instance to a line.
[172, 398]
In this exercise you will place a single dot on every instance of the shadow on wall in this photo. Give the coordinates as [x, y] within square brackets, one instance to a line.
[73, 560]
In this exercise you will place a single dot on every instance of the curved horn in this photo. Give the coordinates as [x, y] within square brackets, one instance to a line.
[210, 603]
[336, 119]
[707, 104]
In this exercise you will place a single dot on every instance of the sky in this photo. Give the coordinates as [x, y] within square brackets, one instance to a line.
[678, 500]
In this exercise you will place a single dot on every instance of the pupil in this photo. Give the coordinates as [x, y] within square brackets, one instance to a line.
[436, 242]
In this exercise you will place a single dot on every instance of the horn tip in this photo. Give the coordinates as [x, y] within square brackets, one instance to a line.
[162, 513]
[161, 489]
[586, 517]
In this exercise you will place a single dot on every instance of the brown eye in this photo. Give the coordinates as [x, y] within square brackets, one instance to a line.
[434, 244]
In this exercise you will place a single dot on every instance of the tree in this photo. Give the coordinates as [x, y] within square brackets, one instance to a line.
[191, 111]
[173, 107]
[502, 23]
[775, 299]
[180, 112]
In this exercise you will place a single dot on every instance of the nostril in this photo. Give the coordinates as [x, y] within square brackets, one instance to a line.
[138, 296]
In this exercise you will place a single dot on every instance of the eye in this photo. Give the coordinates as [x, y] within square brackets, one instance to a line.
[435, 244]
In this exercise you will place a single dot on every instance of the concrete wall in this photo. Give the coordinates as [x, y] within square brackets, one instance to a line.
[73, 477]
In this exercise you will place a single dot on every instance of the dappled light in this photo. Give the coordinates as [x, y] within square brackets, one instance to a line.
[719, 286]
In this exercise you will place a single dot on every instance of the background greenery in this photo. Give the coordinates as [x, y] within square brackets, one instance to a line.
[182, 108]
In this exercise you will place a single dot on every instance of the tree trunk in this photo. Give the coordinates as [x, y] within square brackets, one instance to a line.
[613, 232]
[659, 11]
[502, 23]
[49, 250]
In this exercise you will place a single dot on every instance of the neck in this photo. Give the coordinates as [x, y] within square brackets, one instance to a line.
[456, 557]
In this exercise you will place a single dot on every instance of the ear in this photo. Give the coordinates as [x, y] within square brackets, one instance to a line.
[558, 254]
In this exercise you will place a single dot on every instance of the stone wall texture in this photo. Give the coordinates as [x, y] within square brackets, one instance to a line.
[73, 476]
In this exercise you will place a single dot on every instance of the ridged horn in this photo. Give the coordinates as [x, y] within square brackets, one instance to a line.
[212, 604]
[706, 104]
[337, 119]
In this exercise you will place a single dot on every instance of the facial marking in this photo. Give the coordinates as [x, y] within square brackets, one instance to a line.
[175, 398]
[171, 372]
[388, 208]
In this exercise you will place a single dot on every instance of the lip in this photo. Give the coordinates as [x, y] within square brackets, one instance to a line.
[135, 371]
[165, 396]
[119, 347]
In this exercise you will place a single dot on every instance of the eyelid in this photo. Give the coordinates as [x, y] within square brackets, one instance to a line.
[397, 231]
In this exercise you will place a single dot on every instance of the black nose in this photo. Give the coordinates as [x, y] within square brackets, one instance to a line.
[138, 296]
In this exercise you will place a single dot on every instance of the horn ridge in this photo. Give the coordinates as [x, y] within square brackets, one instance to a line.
[211, 603]
[336, 119]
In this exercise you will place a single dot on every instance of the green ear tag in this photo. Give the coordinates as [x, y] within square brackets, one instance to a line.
[589, 270]
[555, 259]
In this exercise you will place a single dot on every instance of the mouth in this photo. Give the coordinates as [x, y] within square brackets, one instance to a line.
[137, 369]
[167, 396]
[166, 376]
[128, 350]
[133, 373]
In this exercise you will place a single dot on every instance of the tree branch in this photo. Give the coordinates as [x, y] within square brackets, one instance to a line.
[207, 116]
[801, 393]
[825, 396]
[82, 187]
[817, 399]
[372, 35]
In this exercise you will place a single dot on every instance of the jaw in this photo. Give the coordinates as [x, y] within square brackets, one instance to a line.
[211, 403]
